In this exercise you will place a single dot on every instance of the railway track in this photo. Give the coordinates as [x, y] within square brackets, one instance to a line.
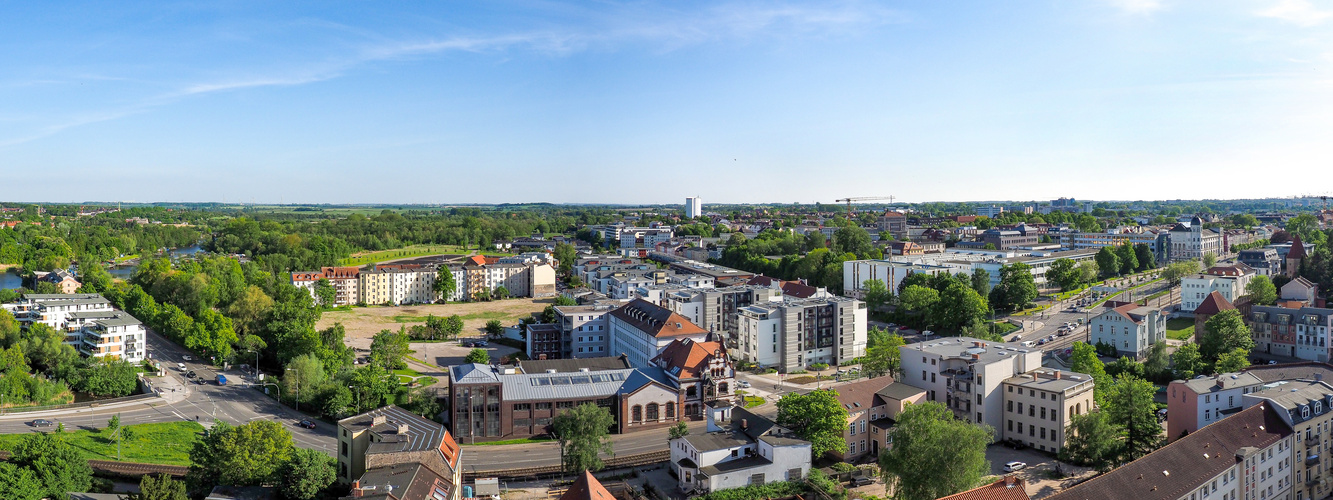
[554, 470]
[128, 469]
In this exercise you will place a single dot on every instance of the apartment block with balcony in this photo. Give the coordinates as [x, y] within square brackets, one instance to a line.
[792, 334]
[716, 309]
[120, 337]
[1038, 406]
[1193, 404]
[1306, 406]
[968, 375]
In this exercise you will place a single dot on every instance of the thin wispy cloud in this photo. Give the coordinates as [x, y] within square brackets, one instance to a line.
[1298, 12]
[1137, 7]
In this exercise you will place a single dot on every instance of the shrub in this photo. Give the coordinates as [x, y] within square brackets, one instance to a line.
[782, 489]
[819, 366]
[842, 467]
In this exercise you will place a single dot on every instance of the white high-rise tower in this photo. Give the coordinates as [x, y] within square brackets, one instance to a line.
[694, 207]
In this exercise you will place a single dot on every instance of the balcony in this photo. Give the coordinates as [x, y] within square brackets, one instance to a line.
[1312, 460]
[1312, 441]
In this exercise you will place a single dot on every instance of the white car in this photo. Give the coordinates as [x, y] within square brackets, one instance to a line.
[1014, 466]
[187, 357]
[743, 384]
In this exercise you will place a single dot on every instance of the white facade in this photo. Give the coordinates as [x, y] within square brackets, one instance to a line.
[587, 329]
[122, 337]
[1194, 289]
[1131, 329]
[735, 453]
[782, 335]
[967, 374]
[694, 207]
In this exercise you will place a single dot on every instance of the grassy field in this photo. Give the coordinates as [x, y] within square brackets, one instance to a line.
[165, 443]
[365, 322]
[363, 258]
[1180, 328]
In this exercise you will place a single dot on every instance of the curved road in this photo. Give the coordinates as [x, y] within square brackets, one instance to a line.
[235, 404]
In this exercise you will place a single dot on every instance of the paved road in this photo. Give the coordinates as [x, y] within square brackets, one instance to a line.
[235, 404]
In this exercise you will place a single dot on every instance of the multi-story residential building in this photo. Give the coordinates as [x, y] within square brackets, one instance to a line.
[871, 406]
[967, 375]
[491, 402]
[1039, 404]
[716, 309]
[1193, 404]
[694, 207]
[739, 449]
[893, 223]
[392, 453]
[1246, 457]
[1291, 329]
[792, 334]
[398, 284]
[992, 211]
[1039, 262]
[54, 310]
[1229, 280]
[640, 330]
[578, 332]
[643, 237]
[1306, 407]
[1299, 289]
[1131, 328]
[722, 276]
[346, 283]
[119, 337]
[1264, 261]
[1192, 241]
[703, 371]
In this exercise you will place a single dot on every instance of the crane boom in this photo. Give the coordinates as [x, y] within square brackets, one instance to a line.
[851, 199]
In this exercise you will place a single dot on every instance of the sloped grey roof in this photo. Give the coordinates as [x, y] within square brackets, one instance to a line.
[472, 373]
[591, 384]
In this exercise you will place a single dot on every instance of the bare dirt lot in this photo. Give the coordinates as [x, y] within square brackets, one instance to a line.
[365, 322]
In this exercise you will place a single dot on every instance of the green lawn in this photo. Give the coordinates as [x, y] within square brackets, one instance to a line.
[1179, 328]
[407, 371]
[753, 401]
[165, 443]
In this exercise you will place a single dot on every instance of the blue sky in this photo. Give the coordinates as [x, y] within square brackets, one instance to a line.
[649, 102]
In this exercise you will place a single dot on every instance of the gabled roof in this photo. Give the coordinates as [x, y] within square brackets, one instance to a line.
[1132, 312]
[685, 359]
[861, 395]
[477, 260]
[656, 320]
[1213, 304]
[587, 487]
[1175, 469]
[1007, 488]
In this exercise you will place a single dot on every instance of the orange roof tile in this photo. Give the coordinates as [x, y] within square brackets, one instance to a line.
[1213, 304]
[1007, 488]
[686, 358]
[587, 487]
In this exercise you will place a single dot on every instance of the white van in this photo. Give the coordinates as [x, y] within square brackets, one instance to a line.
[1028, 343]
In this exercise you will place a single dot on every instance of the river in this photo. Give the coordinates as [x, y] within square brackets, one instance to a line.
[10, 280]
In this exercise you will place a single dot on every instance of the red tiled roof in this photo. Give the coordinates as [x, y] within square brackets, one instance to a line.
[1213, 304]
[1175, 469]
[477, 259]
[449, 448]
[656, 320]
[1007, 488]
[688, 356]
[587, 487]
[1125, 309]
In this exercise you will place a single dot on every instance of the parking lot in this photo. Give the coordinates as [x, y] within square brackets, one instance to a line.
[1039, 474]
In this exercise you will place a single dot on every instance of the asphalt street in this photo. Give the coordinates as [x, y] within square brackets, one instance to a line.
[236, 404]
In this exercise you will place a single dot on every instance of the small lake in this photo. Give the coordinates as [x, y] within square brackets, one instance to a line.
[10, 280]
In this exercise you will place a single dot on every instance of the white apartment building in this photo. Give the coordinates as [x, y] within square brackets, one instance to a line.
[1230, 281]
[1192, 242]
[739, 449]
[120, 337]
[1131, 328]
[644, 237]
[968, 375]
[791, 334]
[892, 273]
[640, 330]
[53, 310]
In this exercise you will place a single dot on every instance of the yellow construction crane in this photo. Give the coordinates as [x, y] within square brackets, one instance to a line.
[849, 201]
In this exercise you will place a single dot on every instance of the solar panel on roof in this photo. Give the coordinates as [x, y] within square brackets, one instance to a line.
[581, 379]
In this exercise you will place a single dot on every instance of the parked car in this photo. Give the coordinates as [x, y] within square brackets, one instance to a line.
[1272, 362]
[1041, 342]
[1015, 444]
[41, 422]
[1014, 466]
[743, 384]
[1029, 343]
[481, 344]
[307, 424]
